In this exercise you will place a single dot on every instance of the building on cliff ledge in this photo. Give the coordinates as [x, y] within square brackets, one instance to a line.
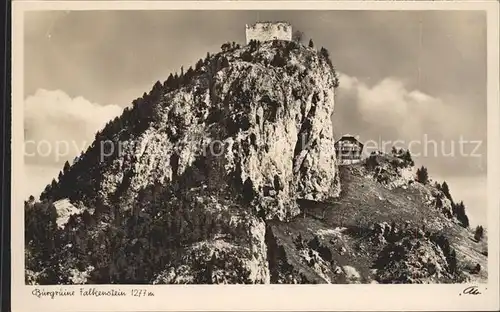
[265, 31]
[348, 150]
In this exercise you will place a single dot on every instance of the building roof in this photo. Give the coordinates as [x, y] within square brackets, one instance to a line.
[349, 138]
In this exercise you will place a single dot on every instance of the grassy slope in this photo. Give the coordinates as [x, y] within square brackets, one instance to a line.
[362, 203]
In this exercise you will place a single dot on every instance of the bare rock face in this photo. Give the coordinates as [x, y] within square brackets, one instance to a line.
[255, 128]
[219, 261]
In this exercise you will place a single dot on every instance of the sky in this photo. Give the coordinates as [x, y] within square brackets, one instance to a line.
[414, 79]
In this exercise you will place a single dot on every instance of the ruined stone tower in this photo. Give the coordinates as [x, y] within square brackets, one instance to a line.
[265, 31]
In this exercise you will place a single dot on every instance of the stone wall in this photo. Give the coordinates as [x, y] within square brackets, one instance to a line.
[269, 31]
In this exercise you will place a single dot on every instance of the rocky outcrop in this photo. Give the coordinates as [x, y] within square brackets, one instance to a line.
[262, 128]
[222, 260]
[376, 232]
[64, 210]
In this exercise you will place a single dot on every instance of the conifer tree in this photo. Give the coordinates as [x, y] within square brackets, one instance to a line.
[169, 81]
[189, 74]
[479, 233]
[199, 64]
[422, 175]
[53, 185]
[66, 167]
[156, 88]
[446, 191]
[459, 213]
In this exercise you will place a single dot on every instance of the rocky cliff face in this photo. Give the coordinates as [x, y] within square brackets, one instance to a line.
[254, 124]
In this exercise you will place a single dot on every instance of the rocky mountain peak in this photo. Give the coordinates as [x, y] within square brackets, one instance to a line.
[226, 173]
[251, 121]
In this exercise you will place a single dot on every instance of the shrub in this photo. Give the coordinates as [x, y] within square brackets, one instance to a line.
[278, 60]
[452, 261]
[254, 45]
[326, 54]
[406, 157]
[371, 162]
[298, 36]
[246, 56]
[225, 47]
[224, 63]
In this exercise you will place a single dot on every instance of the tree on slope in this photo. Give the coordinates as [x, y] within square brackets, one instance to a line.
[479, 233]
[311, 43]
[298, 36]
[422, 175]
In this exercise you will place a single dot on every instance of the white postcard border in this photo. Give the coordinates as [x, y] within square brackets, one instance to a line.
[258, 297]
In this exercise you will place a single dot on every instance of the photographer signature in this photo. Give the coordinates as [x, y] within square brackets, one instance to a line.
[471, 290]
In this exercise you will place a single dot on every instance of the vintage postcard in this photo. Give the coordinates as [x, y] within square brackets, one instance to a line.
[255, 155]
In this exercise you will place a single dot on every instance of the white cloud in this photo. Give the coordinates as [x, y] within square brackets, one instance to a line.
[412, 112]
[58, 128]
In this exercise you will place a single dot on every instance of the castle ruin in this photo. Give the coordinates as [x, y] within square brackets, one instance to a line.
[265, 31]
